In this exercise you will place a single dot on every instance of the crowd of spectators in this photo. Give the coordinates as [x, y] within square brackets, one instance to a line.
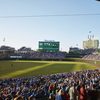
[88, 51]
[92, 57]
[33, 55]
[7, 52]
[43, 55]
[62, 86]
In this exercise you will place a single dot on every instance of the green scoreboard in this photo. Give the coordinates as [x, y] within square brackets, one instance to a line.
[49, 46]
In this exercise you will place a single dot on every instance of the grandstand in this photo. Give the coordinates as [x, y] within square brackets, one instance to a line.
[92, 57]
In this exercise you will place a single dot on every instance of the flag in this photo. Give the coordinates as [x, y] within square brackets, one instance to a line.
[93, 36]
[3, 39]
[88, 36]
[90, 31]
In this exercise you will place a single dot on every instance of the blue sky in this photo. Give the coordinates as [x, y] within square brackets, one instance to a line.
[69, 30]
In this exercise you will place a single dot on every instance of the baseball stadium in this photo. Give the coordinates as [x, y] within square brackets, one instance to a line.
[49, 50]
[26, 74]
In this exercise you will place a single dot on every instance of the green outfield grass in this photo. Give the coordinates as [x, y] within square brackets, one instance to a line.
[9, 69]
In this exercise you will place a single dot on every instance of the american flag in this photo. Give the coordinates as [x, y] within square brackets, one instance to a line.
[3, 39]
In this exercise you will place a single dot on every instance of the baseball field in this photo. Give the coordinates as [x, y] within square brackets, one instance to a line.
[17, 68]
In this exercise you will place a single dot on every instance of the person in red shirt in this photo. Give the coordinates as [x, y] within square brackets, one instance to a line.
[82, 92]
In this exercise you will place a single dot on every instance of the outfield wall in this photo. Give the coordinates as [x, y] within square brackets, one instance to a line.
[46, 59]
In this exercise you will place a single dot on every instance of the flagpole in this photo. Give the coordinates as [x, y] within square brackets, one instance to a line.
[4, 41]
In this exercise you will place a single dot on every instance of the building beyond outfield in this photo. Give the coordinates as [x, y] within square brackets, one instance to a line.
[91, 43]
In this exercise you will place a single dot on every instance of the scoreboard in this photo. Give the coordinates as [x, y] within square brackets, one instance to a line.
[49, 46]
